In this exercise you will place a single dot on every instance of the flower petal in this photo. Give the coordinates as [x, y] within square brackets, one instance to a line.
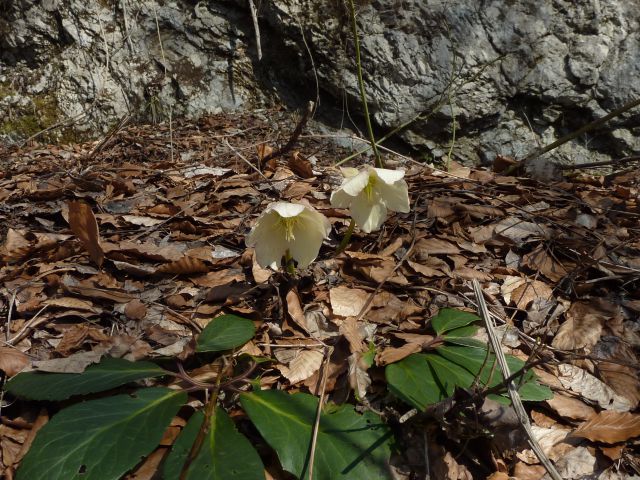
[348, 172]
[340, 199]
[389, 176]
[268, 239]
[309, 232]
[395, 196]
[368, 215]
[354, 185]
[286, 209]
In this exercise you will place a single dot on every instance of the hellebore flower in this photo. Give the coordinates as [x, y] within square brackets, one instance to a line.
[288, 229]
[369, 193]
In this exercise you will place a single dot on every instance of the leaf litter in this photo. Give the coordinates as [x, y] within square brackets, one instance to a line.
[130, 247]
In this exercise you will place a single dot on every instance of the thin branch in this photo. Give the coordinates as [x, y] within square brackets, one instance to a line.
[511, 387]
[256, 27]
[306, 114]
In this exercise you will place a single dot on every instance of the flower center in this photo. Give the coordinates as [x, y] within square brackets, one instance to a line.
[287, 225]
[368, 190]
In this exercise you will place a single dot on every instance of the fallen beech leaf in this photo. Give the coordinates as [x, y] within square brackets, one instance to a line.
[347, 302]
[540, 260]
[582, 382]
[12, 361]
[578, 332]
[135, 310]
[184, 266]
[75, 363]
[519, 231]
[610, 427]
[359, 379]
[305, 363]
[300, 165]
[83, 224]
[529, 291]
[294, 308]
[570, 407]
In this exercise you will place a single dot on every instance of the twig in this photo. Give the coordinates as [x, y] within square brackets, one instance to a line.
[244, 159]
[584, 129]
[209, 416]
[306, 114]
[619, 161]
[164, 66]
[256, 27]
[363, 95]
[328, 350]
[511, 387]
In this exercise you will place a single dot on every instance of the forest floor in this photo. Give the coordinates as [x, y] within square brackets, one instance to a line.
[559, 264]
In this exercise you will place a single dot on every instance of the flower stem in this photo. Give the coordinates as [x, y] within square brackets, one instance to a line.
[363, 96]
[347, 237]
[288, 263]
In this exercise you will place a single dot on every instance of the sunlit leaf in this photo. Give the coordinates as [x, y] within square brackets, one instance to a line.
[225, 332]
[109, 373]
[350, 445]
[225, 453]
[101, 439]
[449, 319]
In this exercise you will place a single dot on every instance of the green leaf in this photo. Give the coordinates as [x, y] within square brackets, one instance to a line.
[225, 453]
[424, 379]
[449, 319]
[101, 439]
[349, 446]
[109, 373]
[412, 380]
[224, 333]
[462, 332]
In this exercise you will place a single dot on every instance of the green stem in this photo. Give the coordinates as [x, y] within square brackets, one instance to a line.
[347, 237]
[288, 262]
[363, 96]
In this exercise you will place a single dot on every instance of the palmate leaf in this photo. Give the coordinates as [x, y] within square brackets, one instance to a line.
[349, 446]
[101, 439]
[225, 453]
[224, 333]
[424, 379]
[449, 319]
[108, 374]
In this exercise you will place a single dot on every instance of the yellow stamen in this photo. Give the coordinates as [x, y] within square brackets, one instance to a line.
[287, 224]
[368, 190]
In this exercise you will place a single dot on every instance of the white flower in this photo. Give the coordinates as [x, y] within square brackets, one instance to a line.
[293, 227]
[369, 193]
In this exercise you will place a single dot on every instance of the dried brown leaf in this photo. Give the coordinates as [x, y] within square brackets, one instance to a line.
[347, 302]
[135, 310]
[12, 361]
[84, 225]
[610, 427]
[300, 165]
[304, 364]
[539, 260]
[184, 266]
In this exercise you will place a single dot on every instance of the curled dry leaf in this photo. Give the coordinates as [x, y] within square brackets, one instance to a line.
[184, 266]
[12, 361]
[305, 363]
[84, 225]
[610, 427]
[135, 310]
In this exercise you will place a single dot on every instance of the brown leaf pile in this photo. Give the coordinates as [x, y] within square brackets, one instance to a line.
[129, 247]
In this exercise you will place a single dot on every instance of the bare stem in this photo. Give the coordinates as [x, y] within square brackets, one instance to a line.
[363, 96]
[347, 237]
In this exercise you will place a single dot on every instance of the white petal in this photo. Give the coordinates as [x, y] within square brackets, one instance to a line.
[317, 221]
[389, 176]
[394, 196]
[369, 215]
[286, 209]
[354, 185]
[341, 199]
[268, 239]
[306, 246]
[348, 172]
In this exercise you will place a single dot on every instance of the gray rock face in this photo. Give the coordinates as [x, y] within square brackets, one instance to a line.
[510, 75]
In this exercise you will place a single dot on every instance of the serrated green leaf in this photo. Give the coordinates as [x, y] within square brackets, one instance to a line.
[450, 319]
[101, 439]
[349, 446]
[224, 333]
[109, 373]
[225, 453]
